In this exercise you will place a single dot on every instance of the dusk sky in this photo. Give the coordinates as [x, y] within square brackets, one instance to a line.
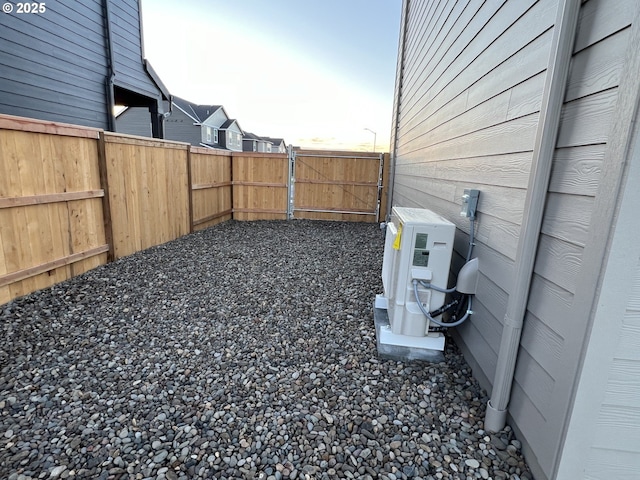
[314, 72]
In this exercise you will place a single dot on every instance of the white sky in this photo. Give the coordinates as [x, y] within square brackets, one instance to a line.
[314, 72]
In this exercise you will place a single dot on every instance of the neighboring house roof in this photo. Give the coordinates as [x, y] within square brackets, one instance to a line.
[250, 136]
[275, 141]
[213, 146]
[230, 122]
[199, 113]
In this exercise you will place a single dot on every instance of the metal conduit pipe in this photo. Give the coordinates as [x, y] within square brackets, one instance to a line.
[544, 147]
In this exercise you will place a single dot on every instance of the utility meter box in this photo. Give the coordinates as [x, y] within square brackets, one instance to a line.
[418, 245]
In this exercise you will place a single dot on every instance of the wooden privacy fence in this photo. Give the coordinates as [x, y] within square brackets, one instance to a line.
[73, 198]
[337, 185]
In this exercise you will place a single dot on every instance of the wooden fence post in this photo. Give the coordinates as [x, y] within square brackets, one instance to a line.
[106, 204]
[190, 188]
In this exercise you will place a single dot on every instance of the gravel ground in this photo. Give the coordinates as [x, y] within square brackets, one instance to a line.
[243, 351]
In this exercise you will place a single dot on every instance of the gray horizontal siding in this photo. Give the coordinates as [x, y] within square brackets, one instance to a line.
[468, 114]
[590, 102]
[135, 121]
[180, 127]
[53, 66]
[127, 48]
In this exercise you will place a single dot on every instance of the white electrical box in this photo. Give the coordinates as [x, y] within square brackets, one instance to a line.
[418, 245]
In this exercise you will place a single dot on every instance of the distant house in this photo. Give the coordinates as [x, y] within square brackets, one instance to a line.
[230, 135]
[254, 143]
[74, 65]
[536, 105]
[195, 124]
[278, 145]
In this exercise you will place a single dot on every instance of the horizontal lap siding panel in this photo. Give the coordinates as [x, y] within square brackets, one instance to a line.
[559, 262]
[619, 426]
[63, 65]
[523, 99]
[601, 18]
[180, 127]
[496, 234]
[482, 357]
[496, 201]
[577, 170]
[587, 121]
[126, 37]
[568, 217]
[522, 72]
[618, 422]
[60, 57]
[468, 118]
[215, 171]
[550, 327]
[508, 170]
[511, 136]
[630, 338]
[606, 463]
[543, 344]
[551, 305]
[623, 387]
[31, 105]
[134, 121]
[486, 52]
[148, 193]
[33, 235]
[459, 45]
[530, 372]
[529, 419]
[433, 42]
[597, 68]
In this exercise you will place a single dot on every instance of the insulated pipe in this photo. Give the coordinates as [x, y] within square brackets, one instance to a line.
[544, 147]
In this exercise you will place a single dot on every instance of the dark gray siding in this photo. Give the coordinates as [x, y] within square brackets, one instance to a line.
[127, 48]
[181, 128]
[134, 121]
[53, 66]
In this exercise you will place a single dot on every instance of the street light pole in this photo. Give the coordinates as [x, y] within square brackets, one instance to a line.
[374, 138]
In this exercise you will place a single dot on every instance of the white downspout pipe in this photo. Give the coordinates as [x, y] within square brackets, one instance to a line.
[544, 147]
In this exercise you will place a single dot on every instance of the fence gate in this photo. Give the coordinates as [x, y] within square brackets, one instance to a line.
[335, 185]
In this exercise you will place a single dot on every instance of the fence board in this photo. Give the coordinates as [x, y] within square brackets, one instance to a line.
[260, 186]
[210, 187]
[148, 192]
[74, 198]
[337, 185]
[51, 223]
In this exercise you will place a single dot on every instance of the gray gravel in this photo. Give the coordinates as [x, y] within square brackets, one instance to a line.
[243, 351]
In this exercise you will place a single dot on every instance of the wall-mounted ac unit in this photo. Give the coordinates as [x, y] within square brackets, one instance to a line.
[418, 245]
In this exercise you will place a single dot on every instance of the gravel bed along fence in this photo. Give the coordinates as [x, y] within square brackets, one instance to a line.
[243, 351]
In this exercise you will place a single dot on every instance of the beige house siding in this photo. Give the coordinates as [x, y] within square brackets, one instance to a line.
[469, 101]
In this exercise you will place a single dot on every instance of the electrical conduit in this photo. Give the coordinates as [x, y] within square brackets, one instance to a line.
[544, 147]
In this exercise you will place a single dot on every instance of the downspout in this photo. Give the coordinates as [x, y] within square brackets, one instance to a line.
[544, 147]
[111, 74]
[399, 78]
